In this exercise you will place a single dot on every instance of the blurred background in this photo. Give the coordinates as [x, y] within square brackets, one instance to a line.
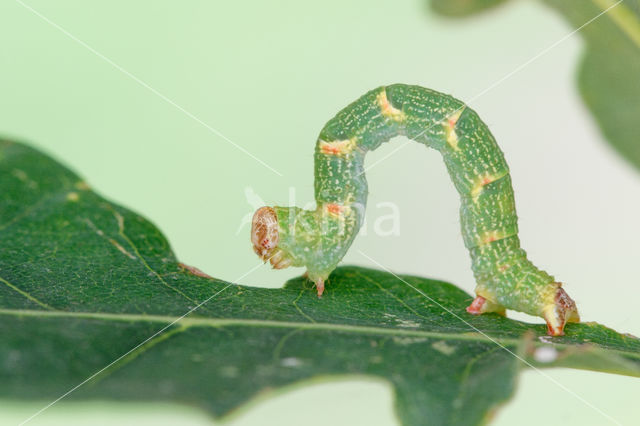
[135, 97]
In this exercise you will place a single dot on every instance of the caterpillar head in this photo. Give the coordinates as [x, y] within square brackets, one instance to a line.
[265, 235]
[291, 236]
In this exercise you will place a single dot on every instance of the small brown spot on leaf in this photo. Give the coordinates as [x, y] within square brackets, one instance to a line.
[194, 270]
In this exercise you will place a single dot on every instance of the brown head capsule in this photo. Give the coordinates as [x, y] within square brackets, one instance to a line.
[265, 237]
[264, 232]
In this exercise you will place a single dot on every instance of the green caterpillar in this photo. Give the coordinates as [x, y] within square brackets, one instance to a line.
[318, 239]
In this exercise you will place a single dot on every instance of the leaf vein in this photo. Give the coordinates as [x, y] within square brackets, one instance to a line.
[26, 294]
[295, 304]
[120, 221]
[130, 357]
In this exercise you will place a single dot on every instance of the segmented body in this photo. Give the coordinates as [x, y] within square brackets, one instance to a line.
[319, 239]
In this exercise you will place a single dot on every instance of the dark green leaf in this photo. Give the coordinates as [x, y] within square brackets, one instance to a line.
[609, 75]
[83, 281]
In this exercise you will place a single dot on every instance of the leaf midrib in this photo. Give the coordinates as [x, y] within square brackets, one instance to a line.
[221, 322]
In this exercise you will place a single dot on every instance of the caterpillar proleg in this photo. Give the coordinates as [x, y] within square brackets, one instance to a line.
[318, 239]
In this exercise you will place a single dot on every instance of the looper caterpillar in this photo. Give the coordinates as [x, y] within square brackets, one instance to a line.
[318, 239]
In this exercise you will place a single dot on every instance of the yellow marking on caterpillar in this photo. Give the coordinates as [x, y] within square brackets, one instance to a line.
[450, 129]
[341, 147]
[491, 236]
[503, 267]
[482, 181]
[335, 210]
[389, 110]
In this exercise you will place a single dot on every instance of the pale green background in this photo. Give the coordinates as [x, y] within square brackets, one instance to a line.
[268, 75]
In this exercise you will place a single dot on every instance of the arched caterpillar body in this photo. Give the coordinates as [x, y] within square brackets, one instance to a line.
[318, 239]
